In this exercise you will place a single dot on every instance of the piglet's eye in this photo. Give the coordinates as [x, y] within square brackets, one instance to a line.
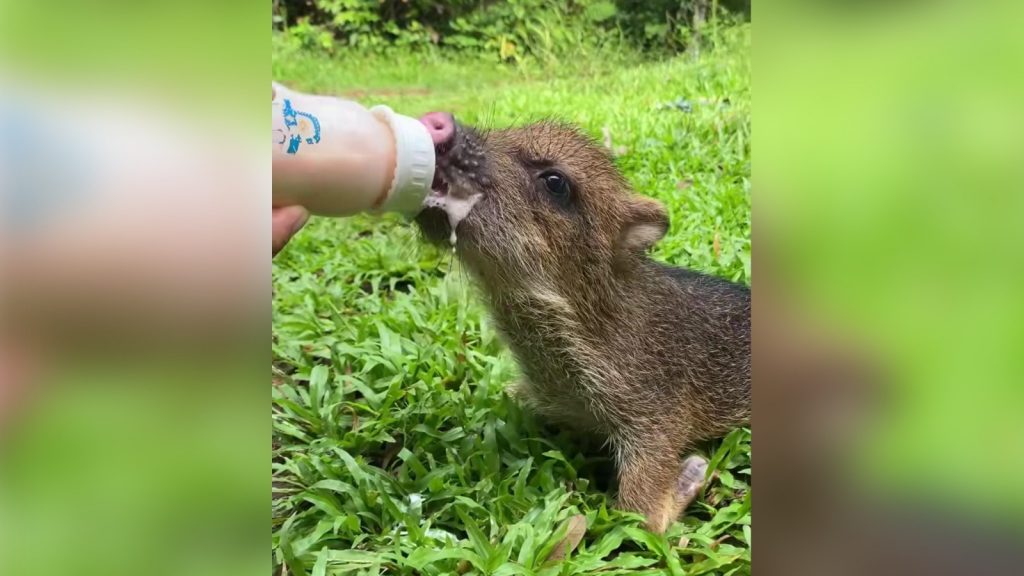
[556, 184]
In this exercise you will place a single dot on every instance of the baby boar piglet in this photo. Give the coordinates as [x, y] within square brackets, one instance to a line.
[652, 357]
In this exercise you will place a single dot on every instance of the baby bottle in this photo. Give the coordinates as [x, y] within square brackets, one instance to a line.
[337, 158]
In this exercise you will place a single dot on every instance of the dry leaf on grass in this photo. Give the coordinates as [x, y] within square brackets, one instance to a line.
[573, 536]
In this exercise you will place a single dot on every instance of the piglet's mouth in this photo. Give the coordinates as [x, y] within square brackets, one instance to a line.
[458, 179]
[456, 203]
[439, 187]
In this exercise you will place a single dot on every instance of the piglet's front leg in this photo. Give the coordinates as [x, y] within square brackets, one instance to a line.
[649, 470]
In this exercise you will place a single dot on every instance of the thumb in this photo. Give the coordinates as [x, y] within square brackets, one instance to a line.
[285, 223]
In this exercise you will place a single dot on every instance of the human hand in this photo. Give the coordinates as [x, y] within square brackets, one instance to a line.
[286, 222]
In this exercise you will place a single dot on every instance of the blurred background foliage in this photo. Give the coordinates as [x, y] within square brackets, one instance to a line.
[514, 31]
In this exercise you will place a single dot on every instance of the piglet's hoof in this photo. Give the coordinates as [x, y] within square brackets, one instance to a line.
[691, 481]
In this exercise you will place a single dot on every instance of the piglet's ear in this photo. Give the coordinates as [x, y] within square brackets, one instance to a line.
[646, 223]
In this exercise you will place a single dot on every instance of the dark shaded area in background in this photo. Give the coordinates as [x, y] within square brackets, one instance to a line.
[661, 26]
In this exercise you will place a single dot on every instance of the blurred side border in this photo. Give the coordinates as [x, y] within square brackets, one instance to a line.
[888, 317]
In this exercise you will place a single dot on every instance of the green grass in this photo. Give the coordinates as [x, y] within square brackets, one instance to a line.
[395, 449]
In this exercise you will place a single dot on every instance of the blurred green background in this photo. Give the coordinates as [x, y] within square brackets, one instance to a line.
[147, 456]
[516, 31]
[207, 56]
[888, 161]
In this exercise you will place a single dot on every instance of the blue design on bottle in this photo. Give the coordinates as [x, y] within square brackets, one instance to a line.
[298, 133]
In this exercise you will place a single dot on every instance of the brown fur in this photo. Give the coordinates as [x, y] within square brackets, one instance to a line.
[653, 358]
